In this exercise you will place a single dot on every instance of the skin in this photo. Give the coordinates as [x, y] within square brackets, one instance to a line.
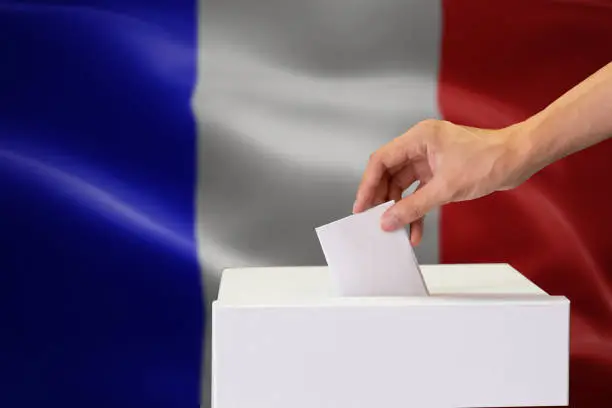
[454, 163]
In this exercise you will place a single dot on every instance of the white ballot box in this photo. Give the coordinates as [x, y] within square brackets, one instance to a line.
[485, 337]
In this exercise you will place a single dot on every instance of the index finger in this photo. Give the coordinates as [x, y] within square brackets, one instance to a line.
[371, 179]
[398, 151]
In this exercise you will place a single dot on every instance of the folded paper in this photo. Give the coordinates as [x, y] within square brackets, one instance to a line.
[364, 260]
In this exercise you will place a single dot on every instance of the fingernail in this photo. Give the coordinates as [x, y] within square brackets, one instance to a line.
[390, 221]
[355, 206]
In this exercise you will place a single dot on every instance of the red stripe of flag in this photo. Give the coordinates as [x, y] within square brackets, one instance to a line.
[502, 61]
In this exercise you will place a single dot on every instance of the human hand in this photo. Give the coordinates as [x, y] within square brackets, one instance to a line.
[450, 162]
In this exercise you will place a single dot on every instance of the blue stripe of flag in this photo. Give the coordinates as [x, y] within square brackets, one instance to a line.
[100, 291]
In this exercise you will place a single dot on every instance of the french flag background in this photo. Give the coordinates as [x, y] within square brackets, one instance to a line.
[147, 145]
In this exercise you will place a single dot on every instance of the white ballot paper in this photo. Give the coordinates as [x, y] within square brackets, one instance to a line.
[364, 260]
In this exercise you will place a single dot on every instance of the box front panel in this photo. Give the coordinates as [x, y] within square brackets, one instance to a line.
[462, 355]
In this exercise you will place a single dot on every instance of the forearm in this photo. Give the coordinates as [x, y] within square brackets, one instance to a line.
[580, 118]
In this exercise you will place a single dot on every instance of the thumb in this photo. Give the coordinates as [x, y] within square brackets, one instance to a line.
[412, 207]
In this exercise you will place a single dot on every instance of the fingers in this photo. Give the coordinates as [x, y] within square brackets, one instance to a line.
[382, 191]
[391, 155]
[416, 231]
[376, 188]
[370, 183]
[412, 207]
[404, 177]
[398, 152]
[417, 227]
[395, 192]
[391, 187]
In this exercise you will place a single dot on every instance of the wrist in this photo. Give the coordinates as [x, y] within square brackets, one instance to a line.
[521, 157]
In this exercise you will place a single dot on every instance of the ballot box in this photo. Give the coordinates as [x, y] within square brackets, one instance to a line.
[484, 337]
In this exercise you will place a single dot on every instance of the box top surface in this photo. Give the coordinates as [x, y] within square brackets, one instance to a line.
[308, 285]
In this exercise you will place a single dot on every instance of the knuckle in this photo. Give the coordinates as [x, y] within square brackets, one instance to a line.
[429, 123]
[417, 213]
[430, 129]
[431, 126]
[375, 157]
[411, 214]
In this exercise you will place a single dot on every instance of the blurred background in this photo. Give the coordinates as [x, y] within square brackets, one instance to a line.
[146, 145]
